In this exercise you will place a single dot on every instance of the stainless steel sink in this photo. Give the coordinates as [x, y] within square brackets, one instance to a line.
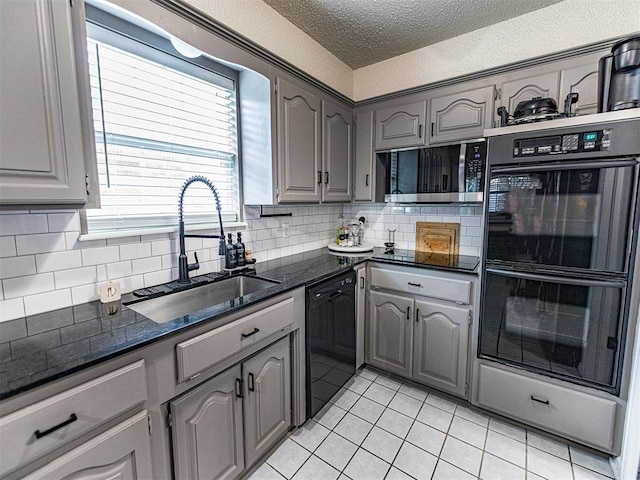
[176, 305]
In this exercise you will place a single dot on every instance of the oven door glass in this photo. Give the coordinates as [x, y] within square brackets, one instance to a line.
[560, 326]
[573, 216]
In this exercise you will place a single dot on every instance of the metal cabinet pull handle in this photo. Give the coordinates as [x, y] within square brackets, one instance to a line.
[408, 308]
[418, 315]
[319, 177]
[414, 284]
[366, 180]
[251, 383]
[326, 178]
[247, 335]
[420, 131]
[72, 418]
[362, 283]
[239, 388]
[545, 402]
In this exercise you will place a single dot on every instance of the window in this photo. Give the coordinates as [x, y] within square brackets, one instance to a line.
[159, 118]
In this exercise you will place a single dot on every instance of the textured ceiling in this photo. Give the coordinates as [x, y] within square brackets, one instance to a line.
[362, 32]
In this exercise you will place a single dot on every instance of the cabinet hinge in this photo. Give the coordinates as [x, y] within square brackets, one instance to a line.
[497, 94]
[87, 182]
[466, 388]
[149, 424]
[72, 3]
[470, 317]
[169, 419]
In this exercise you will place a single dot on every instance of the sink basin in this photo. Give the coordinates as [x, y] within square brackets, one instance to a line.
[176, 305]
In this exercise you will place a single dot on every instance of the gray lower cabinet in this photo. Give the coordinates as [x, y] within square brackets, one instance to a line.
[390, 334]
[44, 118]
[401, 126]
[337, 152]
[299, 145]
[224, 425]
[461, 115]
[121, 452]
[440, 345]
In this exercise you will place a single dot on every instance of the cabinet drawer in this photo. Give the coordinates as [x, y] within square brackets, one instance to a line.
[204, 351]
[570, 413]
[82, 408]
[458, 291]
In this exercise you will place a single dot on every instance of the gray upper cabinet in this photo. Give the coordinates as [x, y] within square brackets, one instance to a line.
[299, 144]
[582, 80]
[364, 167]
[207, 429]
[401, 126]
[462, 115]
[43, 114]
[544, 85]
[267, 402]
[337, 152]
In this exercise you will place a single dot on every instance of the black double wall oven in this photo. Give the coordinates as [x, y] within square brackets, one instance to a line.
[560, 216]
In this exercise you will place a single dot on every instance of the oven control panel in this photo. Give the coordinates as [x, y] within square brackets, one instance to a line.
[585, 141]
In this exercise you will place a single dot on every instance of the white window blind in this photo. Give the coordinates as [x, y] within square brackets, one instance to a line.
[156, 126]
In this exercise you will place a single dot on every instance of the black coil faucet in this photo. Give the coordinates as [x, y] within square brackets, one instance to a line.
[183, 265]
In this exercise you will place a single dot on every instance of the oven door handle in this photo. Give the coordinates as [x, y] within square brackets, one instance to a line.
[558, 279]
[565, 166]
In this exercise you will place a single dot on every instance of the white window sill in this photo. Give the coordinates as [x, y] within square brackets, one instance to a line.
[85, 237]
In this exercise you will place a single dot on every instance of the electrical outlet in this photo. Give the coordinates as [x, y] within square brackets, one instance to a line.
[285, 230]
[110, 292]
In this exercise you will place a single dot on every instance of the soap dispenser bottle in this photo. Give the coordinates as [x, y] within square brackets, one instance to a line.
[240, 257]
[230, 260]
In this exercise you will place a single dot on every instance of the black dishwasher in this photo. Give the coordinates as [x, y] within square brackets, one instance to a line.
[330, 338]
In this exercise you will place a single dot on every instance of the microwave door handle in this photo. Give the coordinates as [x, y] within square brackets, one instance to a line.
[462, 168]
[565, 166]
[558, 279]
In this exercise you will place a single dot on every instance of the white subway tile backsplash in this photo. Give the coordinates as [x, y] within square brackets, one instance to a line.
[64, 222]
[73, 242]
[163, 247]
[146, 265]
[43, 243]
[123, 240]
[17, 266]
[45, 302]
[75, 277]
[84, 294]
[131, 251]
[23, 223]
[116, 270]
[11, 309]
[50, 262]
[28, 285]
[162, 276]
[100, 255]
[7, 247]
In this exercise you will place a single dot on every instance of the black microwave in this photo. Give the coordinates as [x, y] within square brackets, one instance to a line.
[447, 173]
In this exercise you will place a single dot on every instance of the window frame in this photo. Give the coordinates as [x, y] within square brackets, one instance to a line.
[144, 39]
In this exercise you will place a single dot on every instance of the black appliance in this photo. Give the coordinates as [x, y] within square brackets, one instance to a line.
[330, 338]
[446, 173]
[537, 109]
[559, 241]
[619, 77]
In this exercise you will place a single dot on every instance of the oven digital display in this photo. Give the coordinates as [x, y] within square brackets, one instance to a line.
[590, 141]
[590, 137]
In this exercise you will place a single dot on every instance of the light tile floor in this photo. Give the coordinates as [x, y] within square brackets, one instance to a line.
[378, 427]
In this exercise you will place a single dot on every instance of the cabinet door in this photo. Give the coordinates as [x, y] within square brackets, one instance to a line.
[401, 126]
[41, 144]
[461, 115]
[440, 350]
[582, 80]
[207, 429]
[267, 403]
[516, 91]
[364, 158]
[299, 147]
[337, 152]
[122, 452]
[390, 331]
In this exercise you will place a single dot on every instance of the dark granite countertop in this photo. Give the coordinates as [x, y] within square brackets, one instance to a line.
[39, 349]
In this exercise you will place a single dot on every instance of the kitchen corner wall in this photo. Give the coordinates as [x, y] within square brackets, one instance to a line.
[43, 265]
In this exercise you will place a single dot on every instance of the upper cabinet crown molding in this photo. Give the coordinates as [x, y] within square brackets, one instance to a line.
[46, 128]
